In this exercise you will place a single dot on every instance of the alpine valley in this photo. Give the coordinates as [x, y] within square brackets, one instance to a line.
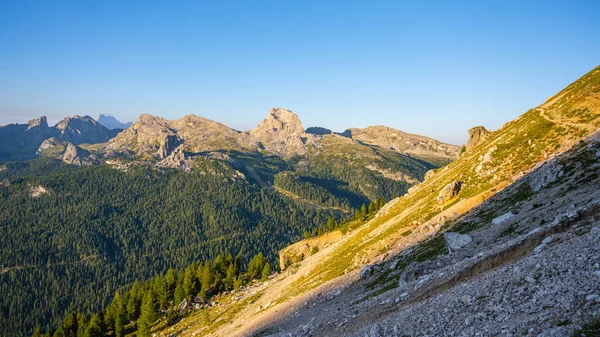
[87, 210]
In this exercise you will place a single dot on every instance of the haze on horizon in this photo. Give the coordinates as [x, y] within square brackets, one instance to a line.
[433, 69]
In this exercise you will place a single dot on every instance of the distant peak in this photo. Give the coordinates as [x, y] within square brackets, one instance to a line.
[282, 120]
[40, 121]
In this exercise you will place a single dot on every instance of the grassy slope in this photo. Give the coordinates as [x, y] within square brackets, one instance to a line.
[519, 145]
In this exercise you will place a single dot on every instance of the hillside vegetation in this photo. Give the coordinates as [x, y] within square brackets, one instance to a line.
[415, 220]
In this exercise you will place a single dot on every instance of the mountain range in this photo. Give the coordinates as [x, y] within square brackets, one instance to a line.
[22, 141]
[370, 231]
[108, 207]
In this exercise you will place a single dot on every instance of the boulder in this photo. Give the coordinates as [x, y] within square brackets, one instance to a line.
[456, 241]
[544, 176]
[449, 191]
[477, 135]
[429, 174]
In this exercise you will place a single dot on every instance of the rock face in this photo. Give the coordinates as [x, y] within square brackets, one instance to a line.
[477, 135]
[77, 156]
[83, 129]
[156, 136]
[403, 142]
[167, 145]
[281, 133]
[449, 191]
[546, 175]
[111, 122]
[40, 121]
[47, 144]
[456, 241]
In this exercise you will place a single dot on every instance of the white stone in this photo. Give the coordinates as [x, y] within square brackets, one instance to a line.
[502, 218]
[548, 240]
[456, 241]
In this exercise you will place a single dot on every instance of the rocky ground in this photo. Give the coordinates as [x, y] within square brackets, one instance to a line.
[531, 270]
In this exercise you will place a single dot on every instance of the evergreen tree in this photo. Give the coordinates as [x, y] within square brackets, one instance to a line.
[159, 288]
[207, 276]
[230, 276]
[179, 294]
[147, 315]
[331, 224]
[119, 314]
[170, 284]
[94, 327]
[81, 324]
[237, 283]
[255, 266]
[189, 282]
[70, 325]
[363, 210]
[59, 332]
[372, 207]
[265, 272]
[133, 304]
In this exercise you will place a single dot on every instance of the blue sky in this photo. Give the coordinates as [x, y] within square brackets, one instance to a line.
[429, 67]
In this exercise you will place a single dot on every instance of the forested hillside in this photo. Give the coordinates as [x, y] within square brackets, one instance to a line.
[73, 235]
[96, 228]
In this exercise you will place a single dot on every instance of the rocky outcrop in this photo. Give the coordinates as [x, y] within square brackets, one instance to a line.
[47, 144]
[456, 241]
[477, 135]
[38, 191]
[78, 156]
[167, 144]
[403, 142]
[177, 158]
[38, 122]
[547, 174]
[281, 133]
[449, 191]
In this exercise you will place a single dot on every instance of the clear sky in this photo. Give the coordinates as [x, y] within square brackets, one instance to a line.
[432, 68]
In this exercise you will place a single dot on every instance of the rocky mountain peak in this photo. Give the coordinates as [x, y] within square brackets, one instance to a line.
[281, 133]
[40, 121]
[111, 123]
[280, 121]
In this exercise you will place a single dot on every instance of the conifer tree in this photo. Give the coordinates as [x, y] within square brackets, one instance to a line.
[94, 327]
[265, 272]
[170, 284]
[179, 294]
[60, 332]
[207, 277]
[70, 325]
[133, 304]
[119, 315]
[81, 324]
[147, 315]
